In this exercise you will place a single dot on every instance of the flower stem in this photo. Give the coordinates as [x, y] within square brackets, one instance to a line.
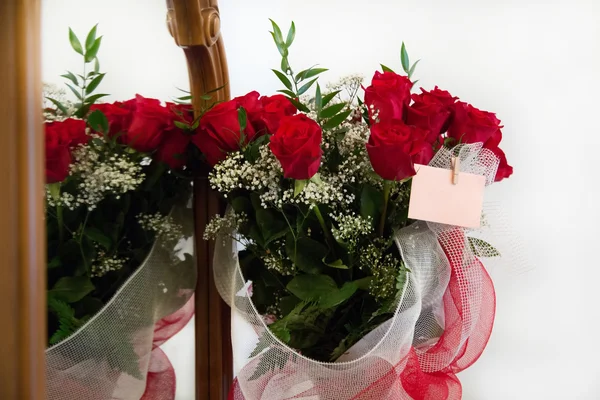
[387, 188]
[61, 224]
[326, 231]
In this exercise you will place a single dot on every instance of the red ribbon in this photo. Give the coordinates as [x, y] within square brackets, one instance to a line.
[458, 301]
[161, 382]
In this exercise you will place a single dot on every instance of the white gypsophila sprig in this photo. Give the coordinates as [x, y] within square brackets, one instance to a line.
[348, 85]
[235, 172]
[50, 111]
[225, 226]
[350, 228]
[100, 175]
[279, 261]
[163, 226]
[105, 263]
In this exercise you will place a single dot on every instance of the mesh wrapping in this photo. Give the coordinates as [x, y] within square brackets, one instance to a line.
[110, 356]
[441, 325]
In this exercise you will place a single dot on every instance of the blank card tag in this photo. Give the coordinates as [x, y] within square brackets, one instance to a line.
[434, 198]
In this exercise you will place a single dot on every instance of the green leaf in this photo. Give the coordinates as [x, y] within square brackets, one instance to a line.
[386, 69]
[306, 86]
[97, 236]
[318, 99]
[311, 287]
[364, 283]
[299, 106]
[242, 119]
[98, 121]
[90, 54]
[96, 65]
[182, 125]
[263, 344]
[404, 59]
[339, 264]
[75, 43]
[481, 248]
[332, 110]
[65, 315]
[94, 83]
[91, 37]
[278, 36]
[291, 35]
[241, 204]
[328, 97]
[299, 185]
[371, 202]
[271, 225]
[76, 92]
[309, 73]
[307, 254]
[412, 69]
[287, 93]
[71, 288]
[286, 82]
[336, 297]
[54, 263]
[337, 120]
[58, 105]
[273, 359]
[70, 76]
[92, 99]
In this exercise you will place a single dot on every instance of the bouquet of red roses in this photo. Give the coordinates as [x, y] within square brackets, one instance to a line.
[350, 298]
[119, 236]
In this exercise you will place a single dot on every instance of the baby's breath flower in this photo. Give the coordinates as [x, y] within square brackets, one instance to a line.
[225, 226]
[105, 263]
[163, 225]
[350, 228]
[99, 176]
[384, 269]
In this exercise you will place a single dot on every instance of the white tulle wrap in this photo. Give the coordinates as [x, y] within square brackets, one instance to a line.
[377, 367]
[108, 358]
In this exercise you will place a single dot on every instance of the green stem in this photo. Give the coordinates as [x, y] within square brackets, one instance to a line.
[85, 263]
[61, 224]
[387, 188]
[328, 236]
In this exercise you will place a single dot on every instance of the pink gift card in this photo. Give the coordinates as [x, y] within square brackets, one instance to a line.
[435, 198]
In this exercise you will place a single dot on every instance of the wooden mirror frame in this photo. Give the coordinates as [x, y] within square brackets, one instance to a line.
[22, 225]
[195, 26]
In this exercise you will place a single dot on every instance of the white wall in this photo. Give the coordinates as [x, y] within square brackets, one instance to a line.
[534, 62]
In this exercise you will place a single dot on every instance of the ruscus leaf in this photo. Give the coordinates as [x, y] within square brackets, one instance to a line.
[75, 43]
[91, 37]
[404, 59]
[286, 82]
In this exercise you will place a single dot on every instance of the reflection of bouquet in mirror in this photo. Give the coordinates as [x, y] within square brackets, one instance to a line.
[119, 232]
[350, 297]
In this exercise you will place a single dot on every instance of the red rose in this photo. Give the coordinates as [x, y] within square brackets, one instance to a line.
[388, 94]
[60, 137]
[274, 108]
[431, 111]
[219, 130]
[149, 121]
[471, 125]
[172, 150]
[297, 146]
[393, 147]
[118, 114]
[504, 170]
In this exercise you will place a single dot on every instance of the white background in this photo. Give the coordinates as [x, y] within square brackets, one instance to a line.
[533, 62]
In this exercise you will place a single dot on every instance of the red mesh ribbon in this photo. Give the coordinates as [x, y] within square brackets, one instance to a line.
[160, 382]
[412, 382]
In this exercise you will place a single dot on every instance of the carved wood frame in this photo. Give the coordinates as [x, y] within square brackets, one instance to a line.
[22, 226]
[195, 26]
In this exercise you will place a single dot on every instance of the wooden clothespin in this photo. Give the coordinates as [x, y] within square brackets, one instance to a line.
[455, 169]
